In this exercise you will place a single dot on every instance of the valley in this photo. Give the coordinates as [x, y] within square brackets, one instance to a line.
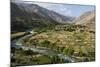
[41, 36]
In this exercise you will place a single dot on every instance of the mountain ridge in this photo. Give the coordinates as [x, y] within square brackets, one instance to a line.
[23, 14]
[87, 19]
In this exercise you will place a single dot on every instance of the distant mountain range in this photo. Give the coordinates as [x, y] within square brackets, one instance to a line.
[25, 16]
[30, 15]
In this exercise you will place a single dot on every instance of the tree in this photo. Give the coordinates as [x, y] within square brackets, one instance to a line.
[68, 51]
[45, 43]
[35, 42]
[55, 59]
[61, 49]
[28, 52]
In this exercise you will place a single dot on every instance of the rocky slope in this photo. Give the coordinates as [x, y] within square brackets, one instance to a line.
[31, 15]
[87, 19]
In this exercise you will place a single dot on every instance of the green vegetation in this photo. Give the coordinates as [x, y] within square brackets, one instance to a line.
[71, 40]
[26, 57]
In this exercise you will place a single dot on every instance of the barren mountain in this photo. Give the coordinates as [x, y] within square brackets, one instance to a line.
[87, 19]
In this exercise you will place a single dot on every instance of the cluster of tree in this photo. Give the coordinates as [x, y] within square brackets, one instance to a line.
[70, 28]
[24, 24]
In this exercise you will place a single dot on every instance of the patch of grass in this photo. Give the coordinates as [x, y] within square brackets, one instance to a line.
[42, 59]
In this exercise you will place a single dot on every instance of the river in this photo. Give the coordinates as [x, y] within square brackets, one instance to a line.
[45, 51]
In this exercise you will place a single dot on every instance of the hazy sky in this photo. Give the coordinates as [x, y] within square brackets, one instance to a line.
[65, 9]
